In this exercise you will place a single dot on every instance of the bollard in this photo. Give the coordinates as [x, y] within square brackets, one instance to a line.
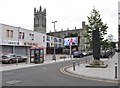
[17, 61]
[89, 59]
[78, 61]
[54, 58]
[26, 61]
[86, 59]
[64, 59]
[73, 65]
[115, 70]
[70, 56]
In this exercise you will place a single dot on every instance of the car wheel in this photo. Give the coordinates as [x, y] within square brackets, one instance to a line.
[10, 61]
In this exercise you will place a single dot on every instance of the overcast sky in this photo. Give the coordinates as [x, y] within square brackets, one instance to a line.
[67, 13]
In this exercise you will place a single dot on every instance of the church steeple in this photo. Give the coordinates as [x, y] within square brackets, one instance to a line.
[40, 20]
[34, 10]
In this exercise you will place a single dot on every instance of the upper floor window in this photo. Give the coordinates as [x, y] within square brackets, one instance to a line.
[48, 38]
[9, 33]
[60, 40]
[31, 36]
[55, 39]
[43, 38]
[51, 37]
[21, 35]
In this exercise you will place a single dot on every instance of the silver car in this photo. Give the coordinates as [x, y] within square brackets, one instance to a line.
[10, 58]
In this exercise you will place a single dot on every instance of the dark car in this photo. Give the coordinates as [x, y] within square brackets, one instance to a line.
[106, 54]
[78, 54]
[11, 58]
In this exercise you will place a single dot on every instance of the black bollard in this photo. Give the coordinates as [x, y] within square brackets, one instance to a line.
[17, 61]
[115, 70]
[73, 65]
[26, 61]
[86, 59]
[78, 61]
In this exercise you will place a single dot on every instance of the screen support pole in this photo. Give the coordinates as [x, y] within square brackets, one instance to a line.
[70, 52]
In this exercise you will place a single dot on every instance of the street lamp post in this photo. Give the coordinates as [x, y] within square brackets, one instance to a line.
[18, 37]
[18, 45]
[54, 57]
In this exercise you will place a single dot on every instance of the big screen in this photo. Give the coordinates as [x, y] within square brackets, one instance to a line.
[71, 41]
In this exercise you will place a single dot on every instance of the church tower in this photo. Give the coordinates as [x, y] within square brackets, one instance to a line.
[40, 20]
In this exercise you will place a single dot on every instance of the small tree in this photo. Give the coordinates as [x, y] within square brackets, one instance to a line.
[95, 22]
[96, 27]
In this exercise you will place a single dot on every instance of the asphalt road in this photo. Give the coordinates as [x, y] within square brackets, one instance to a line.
[46, 75]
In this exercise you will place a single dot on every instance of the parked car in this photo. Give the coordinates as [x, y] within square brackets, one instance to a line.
[11, 58]
[90, 52]
[78, 54]
[106, 53]
[86, 53]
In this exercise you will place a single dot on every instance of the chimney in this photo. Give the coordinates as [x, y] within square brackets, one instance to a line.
[83, 24]
[75, 27]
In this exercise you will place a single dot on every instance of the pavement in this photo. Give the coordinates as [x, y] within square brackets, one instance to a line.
[100, 74]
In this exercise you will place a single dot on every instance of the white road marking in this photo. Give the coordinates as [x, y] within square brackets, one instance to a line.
[13, 82]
